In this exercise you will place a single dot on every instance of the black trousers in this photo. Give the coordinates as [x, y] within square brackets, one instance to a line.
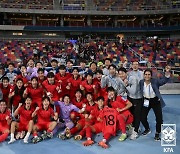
[155, 104]
[136, 109]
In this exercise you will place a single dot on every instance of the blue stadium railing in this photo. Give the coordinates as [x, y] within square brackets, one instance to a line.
[101, 29]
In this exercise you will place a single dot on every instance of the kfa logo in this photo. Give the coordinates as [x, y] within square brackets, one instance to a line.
[168, 136]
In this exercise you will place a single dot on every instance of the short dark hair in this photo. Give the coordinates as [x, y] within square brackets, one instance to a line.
[69, 61]
[75, 68]
[11, 64]
[5, 78]
[90, 74]
[66, 95]
[40, 70]
[100, 98]
[99, 71]
[79, 90]
[93, 63]
[34, 77]
[39, 63]
[109, 59]
[46, 97]
[50, 75]
[110, 89]
[54, 60]
[62, 67]
[122, 69]
[148, 70]
[112, 65]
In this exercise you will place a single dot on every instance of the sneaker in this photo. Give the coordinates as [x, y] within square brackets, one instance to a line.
[146, 132]
[103, 144]
[68, 133]
[25, 140]
[134, 136]
[12, 140]
[130, 129]
[61, 136]
[88, 142]
[157, 138]
[122, 137]
[36, 140]
[50, 135]
[44, 135]
[78, 137]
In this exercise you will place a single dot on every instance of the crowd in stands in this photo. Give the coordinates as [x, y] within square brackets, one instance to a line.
[27, 4]
[101, 5]
[157, 52]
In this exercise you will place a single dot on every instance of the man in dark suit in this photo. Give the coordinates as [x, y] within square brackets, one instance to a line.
[152, 99]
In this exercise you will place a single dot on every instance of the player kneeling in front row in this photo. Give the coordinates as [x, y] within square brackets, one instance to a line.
[5, 120]
[106, 123]
[44, 122]
[25, 120]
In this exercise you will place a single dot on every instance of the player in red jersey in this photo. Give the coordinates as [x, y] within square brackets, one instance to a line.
[5, 88]
[62, 77]
[51, 87]
[23, 75]
[25, 120]
[35, 92]
[89, 85]
[16, 93]
[78, 101]
[101, 91]
[74, 82]
[122, 106]
[89, 106]
[5, 120]
[44, 122]
[97, 123]
[41, 76]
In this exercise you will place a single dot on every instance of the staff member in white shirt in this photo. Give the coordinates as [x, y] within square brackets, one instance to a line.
[152, 99]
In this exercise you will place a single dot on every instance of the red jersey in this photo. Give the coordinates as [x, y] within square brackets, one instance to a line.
[25, 80]
[120, 103]
[88, 87]
[78, 104]
[95, 113]
[3, 121]
[36, 95]
[101, 91]
[44, 116]
[52, 89]
[41, 81]
[75, 85]
[89, 107]
[25, 115]
[16, 98]
[64, 82]
[109, 117]
[5, 91]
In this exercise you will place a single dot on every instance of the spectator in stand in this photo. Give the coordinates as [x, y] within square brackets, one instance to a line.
[11, 73]
[54, 66]
[107, 63]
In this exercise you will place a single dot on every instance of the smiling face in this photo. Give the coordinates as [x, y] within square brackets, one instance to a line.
[89, 97]
[112, 71]
[66, 100]
[46, 103]
[111, 94]
[100, 103]
[122, 75]
[2, 106]
[19, 84]
[147, 75]
[34, 83]
[5, 83]
[135, 66]
[28, 102]
[78, 95]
